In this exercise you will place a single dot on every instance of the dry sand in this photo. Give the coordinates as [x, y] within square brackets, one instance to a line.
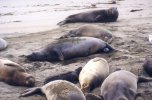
[131, 33]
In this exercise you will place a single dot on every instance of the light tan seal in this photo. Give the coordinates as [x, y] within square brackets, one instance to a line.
[3, 44]
[90, 31]
[13, 74]
[93, 73]
[57, 90]
[119, 85]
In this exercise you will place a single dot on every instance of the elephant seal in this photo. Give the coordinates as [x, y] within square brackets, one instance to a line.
[93, 73]
[119, 85]
[3, 44]
[13, 74]
[69, 48]
[148, 66]
[103, 15]
[90, 31]
[71, 76]
[57, 90]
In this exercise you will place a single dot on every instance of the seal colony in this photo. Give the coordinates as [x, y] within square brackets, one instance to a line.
[65, 49]
[57, 90]
[119, 85]
[13, 74]
[104, 15]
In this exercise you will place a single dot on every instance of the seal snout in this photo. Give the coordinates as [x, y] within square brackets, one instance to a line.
[30, 81]
[85, 88]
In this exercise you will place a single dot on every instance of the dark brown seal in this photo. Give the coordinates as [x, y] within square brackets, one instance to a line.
[104, 15]
[90, 31]
[148, 66]
[69, 48]
[119, 85]
[57, 90]
[71, 76]
[13, 74]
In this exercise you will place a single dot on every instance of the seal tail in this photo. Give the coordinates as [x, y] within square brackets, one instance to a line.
[61, 23]
[144, 79]
[30, 91]
[64, 36]
[78, 70]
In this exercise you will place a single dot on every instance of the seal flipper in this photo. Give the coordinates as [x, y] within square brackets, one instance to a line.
[30, 91]
[64, 36]
[99, 18]
[144, 79]
[10, 63]
[60, 55]
[61, 23]
[90, 96]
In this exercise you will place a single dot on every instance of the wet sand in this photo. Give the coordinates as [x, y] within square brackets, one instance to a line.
[131, 33]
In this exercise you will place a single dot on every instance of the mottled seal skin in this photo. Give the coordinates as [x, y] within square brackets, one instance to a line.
[148, 66]
[90, 31]
[71, 76]
[3, 44]
[13, 74]
[119, 85]
[103, 15]
[57, 90]
[64, 49]
[93, 74]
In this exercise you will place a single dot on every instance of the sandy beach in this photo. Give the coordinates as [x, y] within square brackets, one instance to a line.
[130, 32]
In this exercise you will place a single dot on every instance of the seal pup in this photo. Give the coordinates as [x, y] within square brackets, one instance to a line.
[64, 49]
[148, 66]
[71, 76]
[13, 74]
[57, 90]
[93, 74]
[3, 44]
[90, 31]
[103, 15]
[119, 85]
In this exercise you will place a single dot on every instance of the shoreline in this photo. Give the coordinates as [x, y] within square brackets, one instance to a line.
[37, 17]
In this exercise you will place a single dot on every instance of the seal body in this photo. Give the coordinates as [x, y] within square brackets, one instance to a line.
[71, 76]
[103, 15]
[58, 90]
[93, 73]
[148, 66]
[69, 48]
[119, 85]
[13, 74]
[3, 44]
[90, 31]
